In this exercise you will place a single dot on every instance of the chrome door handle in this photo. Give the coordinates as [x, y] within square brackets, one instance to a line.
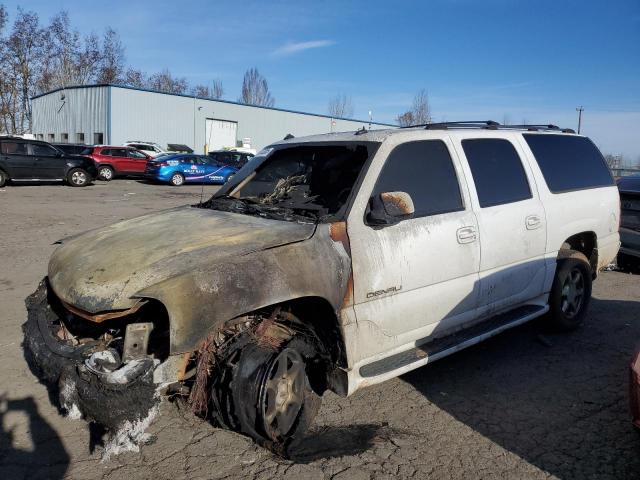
[467, 235]
[532, 222]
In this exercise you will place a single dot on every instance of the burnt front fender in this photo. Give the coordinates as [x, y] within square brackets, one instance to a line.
[201, 300]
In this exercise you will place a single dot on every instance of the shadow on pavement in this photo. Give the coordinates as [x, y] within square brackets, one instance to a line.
[559, 401]
[330, 442]
[46, 459]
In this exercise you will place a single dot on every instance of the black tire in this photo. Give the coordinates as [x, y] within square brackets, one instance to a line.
[77, 177]
[628, 263]
[245, 397]
[3, 179]
[177, 180]
[571, 291]
[106, 173]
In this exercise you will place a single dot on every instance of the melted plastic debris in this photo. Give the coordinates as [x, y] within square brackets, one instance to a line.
[74, 412]
[68, 400]
[130, 436]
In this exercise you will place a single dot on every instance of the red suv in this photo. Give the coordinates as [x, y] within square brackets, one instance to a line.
[118, 161]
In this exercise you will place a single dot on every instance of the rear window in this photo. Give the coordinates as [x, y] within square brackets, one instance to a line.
[497, 171]
[569, 162]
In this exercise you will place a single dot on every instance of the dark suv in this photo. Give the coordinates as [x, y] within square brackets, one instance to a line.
[31, 160]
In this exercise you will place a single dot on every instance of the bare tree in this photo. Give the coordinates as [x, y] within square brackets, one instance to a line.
[405, 119]
[164, 81]
[135, 78]
[24, 51]
[255, 90]
[420, 112]
[216, 89]
[340, 106]
[112, 58]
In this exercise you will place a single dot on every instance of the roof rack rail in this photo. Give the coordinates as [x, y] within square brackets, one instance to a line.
[491, 125]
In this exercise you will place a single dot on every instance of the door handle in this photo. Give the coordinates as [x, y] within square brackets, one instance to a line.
[532, 222]
[467, 234]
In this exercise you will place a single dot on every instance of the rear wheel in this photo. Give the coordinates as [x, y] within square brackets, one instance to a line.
[78, 177]
[105, 173]
[571, 291]
[176, 179]
[3, 179]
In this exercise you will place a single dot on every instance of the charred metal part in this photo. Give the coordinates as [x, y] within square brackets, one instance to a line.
[136, 340]
[101, 317]
[103, 361]
[397, 204]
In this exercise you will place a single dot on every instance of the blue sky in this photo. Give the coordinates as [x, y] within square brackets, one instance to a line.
[519, 60]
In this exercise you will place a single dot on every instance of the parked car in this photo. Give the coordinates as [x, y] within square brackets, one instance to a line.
[118, 161]
[629, 256]
[150, 148]
[186, 168]
[232, 158]
[32, 160]
[73, 148]
[331, 262]
[634, 389]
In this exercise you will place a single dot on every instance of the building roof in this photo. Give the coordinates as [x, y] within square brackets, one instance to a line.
[73, 87]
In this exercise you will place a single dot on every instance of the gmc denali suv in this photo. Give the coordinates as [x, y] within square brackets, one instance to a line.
[330, 262]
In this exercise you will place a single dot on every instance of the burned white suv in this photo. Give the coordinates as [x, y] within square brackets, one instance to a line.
[329, 262]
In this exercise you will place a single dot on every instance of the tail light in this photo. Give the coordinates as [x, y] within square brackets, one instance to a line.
[160, 164]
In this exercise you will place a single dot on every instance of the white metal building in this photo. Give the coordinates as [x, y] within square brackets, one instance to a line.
[110, 114]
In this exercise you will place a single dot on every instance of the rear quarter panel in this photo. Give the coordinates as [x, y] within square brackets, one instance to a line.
[590, 210]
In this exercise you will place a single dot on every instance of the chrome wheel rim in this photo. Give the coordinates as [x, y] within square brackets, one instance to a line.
[176, 180]
[106, 173]
[283, 393]
[572, 293]
[79, 178]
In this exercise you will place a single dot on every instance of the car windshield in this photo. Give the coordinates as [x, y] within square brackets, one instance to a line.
[301, 182]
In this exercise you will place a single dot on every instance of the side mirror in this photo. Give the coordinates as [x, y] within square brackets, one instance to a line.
[389, 208]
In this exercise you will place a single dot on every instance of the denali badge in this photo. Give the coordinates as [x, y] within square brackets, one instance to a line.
[377, 293]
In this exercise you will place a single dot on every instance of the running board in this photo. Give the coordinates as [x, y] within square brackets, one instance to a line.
[441, 347]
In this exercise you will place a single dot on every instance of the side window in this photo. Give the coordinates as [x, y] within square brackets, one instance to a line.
[14, 148]
[497, 171]
[106, 152]
[425, 171]
[569, 162]
[136, 154]
[118, 152]
[40, 150]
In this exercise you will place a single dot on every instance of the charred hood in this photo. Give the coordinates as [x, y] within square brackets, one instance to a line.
[103, 269]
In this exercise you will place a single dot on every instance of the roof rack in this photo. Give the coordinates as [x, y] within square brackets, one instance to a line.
[490, 125]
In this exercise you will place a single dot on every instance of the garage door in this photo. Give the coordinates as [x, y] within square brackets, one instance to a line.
[220, 134]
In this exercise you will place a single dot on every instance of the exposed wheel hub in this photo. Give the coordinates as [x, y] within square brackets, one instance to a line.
[572, 293]
[283, 393]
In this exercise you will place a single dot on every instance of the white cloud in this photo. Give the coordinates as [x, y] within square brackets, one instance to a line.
[297, 47]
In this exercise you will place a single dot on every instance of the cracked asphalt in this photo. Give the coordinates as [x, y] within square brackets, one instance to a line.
[526, 404]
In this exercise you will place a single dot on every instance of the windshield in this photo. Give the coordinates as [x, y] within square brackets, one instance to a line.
[301, 182]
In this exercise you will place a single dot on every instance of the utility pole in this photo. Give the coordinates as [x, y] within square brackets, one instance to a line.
[580, 109]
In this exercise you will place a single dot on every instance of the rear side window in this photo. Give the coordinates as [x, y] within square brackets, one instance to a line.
[14, 148]
[569, 162]
[425, 171]
[497, 171]
[106, 152]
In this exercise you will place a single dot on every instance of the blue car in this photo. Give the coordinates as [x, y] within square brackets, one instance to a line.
[187, 168]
